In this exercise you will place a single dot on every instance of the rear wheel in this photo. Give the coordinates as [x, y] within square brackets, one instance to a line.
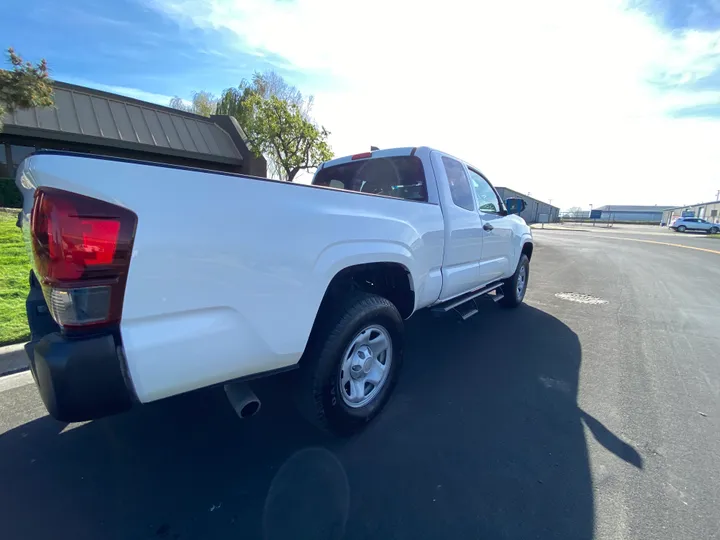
[351, 364]
[714, 230]
[681, 228]
[514, 288]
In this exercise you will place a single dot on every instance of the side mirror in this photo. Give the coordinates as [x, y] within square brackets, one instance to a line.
[515, 205]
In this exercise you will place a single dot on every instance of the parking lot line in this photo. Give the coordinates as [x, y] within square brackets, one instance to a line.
[716, 252]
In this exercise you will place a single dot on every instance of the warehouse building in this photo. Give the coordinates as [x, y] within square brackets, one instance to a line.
[535, 209]
[95, 122]
[709, 211]
[616, 213]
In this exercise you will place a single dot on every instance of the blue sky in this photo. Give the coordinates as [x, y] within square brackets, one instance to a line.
[593, 101]
[678, 17]
[126, 44]
[683, 15]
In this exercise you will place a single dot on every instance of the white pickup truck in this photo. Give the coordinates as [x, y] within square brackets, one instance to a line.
[153, 280]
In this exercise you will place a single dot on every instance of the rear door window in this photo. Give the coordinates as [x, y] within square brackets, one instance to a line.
[401, 177]
[459, 185]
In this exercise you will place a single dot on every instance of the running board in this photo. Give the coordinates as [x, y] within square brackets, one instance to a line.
[455, 302]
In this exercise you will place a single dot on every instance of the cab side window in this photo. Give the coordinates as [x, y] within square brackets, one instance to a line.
[459, 186]
[487, 199]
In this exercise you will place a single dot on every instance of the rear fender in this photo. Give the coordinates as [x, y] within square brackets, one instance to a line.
[337, 257]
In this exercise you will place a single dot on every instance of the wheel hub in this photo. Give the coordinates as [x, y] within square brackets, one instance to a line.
[365, 366]
[522, 277]
[362, 362]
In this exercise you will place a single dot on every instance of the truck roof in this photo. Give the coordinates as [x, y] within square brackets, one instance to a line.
[386, 152]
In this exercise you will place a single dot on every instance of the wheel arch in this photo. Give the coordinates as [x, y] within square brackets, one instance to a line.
[527, 249]
[391, 280]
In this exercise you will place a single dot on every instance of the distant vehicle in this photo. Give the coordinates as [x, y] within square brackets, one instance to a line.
[153, 280]
[694, 224]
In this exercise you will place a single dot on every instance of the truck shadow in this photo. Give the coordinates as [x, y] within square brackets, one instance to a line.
[483, 439]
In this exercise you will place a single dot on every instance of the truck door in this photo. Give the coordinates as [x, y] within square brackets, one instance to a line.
[497, 230]
[463, 227]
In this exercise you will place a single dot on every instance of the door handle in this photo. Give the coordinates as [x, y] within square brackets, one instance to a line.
[488, 227]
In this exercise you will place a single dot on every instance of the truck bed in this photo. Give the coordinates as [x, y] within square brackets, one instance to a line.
[228, 271]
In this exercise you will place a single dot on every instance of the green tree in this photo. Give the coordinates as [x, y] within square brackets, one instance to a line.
[234, 102]
[24, 86]
[203, 103]
[277, 120]
[265, 85]
[279, 130]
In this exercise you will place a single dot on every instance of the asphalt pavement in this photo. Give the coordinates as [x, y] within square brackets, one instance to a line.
[594, 416]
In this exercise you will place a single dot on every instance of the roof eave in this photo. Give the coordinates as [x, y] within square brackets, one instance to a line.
[34, 132]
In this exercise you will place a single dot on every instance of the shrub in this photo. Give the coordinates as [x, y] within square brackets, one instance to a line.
[10, 196]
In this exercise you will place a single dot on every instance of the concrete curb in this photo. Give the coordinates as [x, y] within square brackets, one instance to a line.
[13, 359]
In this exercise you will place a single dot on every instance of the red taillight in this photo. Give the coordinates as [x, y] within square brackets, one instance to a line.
[364, 155]
[81, 249]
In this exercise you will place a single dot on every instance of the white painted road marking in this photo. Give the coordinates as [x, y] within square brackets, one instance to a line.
[668, 244]
[612, 237]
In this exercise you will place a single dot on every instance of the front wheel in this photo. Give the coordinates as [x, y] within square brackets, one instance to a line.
[514, 287]
[351, 364]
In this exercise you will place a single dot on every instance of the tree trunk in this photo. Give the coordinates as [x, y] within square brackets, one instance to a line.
[292, 174]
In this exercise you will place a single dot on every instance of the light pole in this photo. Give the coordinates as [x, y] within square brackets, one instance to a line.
[591, 215]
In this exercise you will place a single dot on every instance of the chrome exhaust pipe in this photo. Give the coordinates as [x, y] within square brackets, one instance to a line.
[242, 399]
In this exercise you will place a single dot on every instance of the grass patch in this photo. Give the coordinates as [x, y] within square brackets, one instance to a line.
[14, 271]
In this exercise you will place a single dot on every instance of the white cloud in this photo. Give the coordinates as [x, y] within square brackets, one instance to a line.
[546, 97]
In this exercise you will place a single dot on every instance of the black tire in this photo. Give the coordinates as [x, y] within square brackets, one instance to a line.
[318, 387]
[511, 298]
[714, 230]
[681, 228]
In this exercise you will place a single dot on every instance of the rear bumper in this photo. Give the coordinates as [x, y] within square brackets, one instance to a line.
[80, 378]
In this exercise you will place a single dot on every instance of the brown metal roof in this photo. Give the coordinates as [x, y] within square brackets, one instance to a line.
[100, 118]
